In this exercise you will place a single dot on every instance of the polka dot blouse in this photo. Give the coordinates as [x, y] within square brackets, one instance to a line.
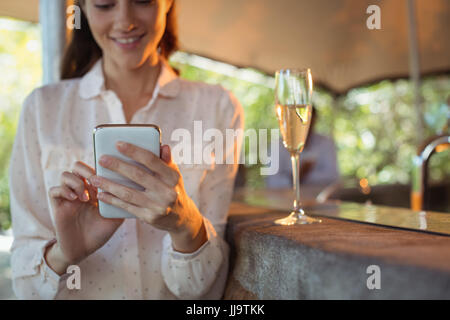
[138, 262]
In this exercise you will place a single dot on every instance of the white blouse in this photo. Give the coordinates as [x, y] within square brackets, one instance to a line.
[138, 262]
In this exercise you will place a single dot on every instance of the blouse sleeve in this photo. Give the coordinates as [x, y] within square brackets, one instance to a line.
[32, 227]
[203, 273]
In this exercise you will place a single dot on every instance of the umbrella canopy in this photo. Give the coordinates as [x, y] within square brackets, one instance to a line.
[330, 37]
[21, 9]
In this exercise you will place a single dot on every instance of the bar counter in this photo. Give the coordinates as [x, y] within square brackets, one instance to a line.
[335, 259]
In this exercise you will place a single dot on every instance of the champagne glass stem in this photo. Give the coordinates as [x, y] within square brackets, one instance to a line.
[295, 159]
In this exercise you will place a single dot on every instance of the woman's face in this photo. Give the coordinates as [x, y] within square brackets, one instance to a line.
[127, 31]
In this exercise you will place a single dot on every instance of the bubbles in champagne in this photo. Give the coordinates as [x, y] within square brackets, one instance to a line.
[294, 124]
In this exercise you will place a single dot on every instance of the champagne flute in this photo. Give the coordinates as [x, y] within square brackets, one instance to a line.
[293, 94]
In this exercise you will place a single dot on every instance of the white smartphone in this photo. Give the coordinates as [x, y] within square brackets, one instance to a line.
[146, 136]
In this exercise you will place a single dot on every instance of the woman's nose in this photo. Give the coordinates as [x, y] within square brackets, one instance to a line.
[130, 27]
[125, 17]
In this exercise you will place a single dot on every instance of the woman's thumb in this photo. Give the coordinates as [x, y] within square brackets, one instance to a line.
[166, 154]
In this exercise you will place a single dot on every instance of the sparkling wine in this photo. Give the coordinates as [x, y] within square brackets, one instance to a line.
[293, 96]
[294, 123]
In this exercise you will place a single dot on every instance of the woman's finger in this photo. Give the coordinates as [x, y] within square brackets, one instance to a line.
[136, 174]
[62, 192]
[146, 214]
[127, 194]
[166, 154]
[149, 160]
[89, 189]
[83, 169]
[76, 183]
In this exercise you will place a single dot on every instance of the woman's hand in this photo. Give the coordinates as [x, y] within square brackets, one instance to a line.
[80, 229]
[164, 202]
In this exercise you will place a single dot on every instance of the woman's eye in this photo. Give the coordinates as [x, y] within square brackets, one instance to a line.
[104, 6]
[145, 2]
[109, 6]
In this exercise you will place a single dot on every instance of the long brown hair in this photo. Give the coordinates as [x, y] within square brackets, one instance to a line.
[83, 51]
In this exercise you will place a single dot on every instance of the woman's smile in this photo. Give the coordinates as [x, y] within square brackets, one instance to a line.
[127, 42]
[128, 32]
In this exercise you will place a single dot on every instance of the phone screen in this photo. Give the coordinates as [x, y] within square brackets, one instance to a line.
[105, 138]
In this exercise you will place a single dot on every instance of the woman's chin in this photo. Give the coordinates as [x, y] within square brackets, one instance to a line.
[129, 62]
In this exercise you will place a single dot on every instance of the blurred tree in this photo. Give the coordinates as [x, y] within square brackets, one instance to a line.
[375, 130]
[372, 125]
[20, 62]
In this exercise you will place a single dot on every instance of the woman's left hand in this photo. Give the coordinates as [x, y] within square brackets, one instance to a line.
[164, 202]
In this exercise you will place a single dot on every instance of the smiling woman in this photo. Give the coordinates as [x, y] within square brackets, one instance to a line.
[84, 50]
[116, 72]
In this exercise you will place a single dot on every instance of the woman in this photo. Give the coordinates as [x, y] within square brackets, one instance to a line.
[115, 71]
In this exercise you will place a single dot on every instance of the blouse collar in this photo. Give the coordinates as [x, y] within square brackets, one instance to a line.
[93, 82]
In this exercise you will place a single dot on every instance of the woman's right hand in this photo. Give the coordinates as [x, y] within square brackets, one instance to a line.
[80, 229]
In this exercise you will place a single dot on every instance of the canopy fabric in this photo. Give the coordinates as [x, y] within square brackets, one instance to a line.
[21, 9]
[330, 37]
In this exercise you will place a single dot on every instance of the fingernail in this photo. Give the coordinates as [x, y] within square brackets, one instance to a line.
[122, 145]
[73, 195]
[86, 195]
[105, 161]
[94, 181]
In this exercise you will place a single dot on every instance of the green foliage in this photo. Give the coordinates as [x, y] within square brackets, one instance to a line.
[374, 127]
[376, 130]
[20, 62]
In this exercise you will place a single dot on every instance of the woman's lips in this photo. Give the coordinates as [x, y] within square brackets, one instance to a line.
[128, 42]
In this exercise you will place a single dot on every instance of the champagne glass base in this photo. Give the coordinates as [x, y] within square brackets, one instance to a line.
[297, 218]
